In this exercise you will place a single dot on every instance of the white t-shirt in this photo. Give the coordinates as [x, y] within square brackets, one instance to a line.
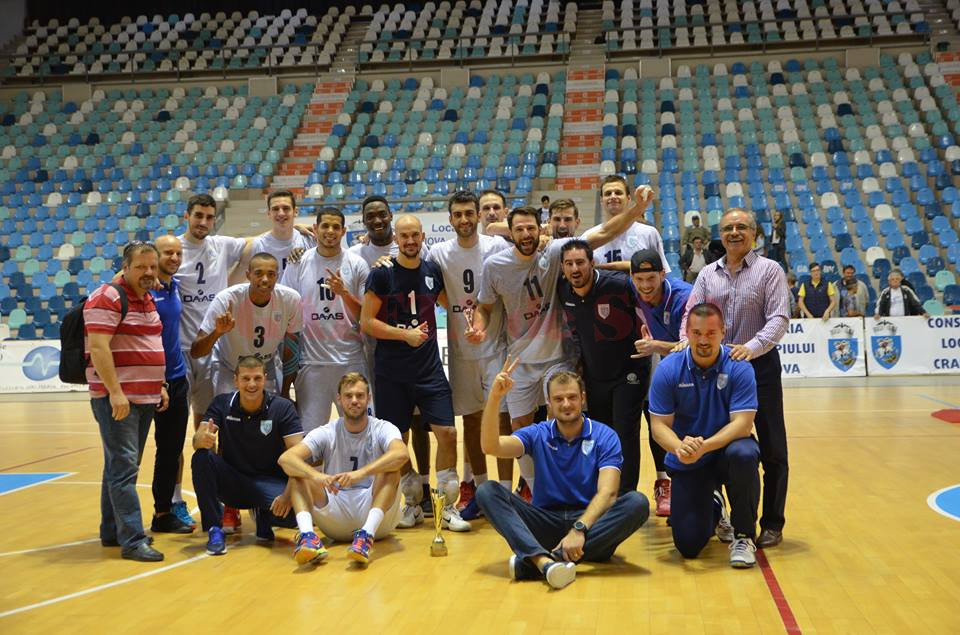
[462, 268]
[331, 333]
[343, 451]
[202, 275]
[258, 331]
[897, 308]
[638, 236]
[280, 249]
[528, 291]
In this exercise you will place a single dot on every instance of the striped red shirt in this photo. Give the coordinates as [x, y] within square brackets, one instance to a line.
[137, 343]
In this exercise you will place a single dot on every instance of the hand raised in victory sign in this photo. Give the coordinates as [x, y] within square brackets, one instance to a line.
[335, 283]
[473, 335]
[504, 382]
[225, 321]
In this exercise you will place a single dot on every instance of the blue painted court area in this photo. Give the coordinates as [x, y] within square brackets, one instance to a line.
[946, 502]
[13, 482]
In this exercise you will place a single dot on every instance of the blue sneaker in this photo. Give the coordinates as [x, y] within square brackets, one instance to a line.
[217, 542]
[472, 511]
[180, 511]
[360, 549]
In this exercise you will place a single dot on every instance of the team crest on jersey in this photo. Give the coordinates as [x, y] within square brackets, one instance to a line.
[266, 426]
[587, 446]
[428, 280]
[722, 381]
[543, 262]
[603, 310]
[277, 316]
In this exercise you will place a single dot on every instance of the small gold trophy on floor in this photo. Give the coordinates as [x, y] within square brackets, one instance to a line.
[439, 546]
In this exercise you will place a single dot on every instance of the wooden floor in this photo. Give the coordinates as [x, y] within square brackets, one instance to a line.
[863, 552]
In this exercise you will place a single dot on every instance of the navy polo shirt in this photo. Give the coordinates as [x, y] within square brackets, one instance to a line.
[167, 299]
[252, 442]
[606, 324]
[701, 400]
[663, 320]
[567, 471]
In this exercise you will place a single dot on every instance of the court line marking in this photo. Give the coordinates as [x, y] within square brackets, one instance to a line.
[49, 458]
[49, 480]
[779, 599]
[102, 587]
[48, 547]
[2, 430]
[940, 401]
[932, 502]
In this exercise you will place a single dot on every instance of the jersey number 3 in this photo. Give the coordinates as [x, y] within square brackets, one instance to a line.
[258, 336]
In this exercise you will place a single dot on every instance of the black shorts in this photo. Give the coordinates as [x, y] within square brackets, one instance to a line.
[395, 401]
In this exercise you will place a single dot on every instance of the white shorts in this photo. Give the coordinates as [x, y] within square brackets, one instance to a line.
[347, 511]
[316, 388]
[470, 381]
[530, 386]
[200, 379]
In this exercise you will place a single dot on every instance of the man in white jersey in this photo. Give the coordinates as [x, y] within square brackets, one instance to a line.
[616, 254]
[526, 282]
[331, 284]
[249, 319]
[283, 237]
[357, 495]
[473, 366]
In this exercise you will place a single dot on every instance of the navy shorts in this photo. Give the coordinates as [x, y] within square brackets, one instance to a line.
[395, 400]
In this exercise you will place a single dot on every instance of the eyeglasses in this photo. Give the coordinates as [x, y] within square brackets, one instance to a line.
[740, 227]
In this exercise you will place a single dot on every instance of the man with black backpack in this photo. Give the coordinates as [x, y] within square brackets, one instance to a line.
[126, 377]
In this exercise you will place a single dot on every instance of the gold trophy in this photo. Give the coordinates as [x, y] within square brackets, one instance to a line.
[439, 546]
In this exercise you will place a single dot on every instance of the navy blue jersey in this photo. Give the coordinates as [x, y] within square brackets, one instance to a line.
[605, 324]
[408, 298]
[251, 442]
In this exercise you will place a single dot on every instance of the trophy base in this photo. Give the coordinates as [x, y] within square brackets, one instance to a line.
[438, 549]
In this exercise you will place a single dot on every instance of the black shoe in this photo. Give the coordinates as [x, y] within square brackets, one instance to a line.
[142, 553]
[114, 543]
[169, 524]
[769, 538]
[426, 503]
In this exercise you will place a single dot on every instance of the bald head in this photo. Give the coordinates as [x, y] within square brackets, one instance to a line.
[408, 233]
[171, 254]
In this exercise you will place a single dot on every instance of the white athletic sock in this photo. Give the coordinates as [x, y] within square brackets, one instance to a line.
[662, 475]
[374, 518]
[526, 469]
[479, 479]
[507, 484]
[467, 471]
[177, 494]
[304, 522]
[447, 475]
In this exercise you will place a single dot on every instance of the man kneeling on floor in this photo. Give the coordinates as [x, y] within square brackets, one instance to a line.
[702, 405]
[254, 428]
[356, 497]
[575, 514]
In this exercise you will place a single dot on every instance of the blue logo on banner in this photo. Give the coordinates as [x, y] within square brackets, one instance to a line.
[886, 350]
[843, 352]
[41, 363]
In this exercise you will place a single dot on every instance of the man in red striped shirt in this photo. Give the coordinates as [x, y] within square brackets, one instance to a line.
[125, 375]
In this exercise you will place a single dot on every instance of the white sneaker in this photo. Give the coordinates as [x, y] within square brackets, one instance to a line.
[452, 520]
[412, 516]
[724, 529]
[560, 574]
[742, 553]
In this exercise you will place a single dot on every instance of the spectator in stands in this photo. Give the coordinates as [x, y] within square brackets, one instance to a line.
[695, 258]
[778, 232]
[817, 297]
[860, 294]
[695, 231]
[125, 376]
[898, 299]
[760, 243]
[794, 290]
[544, 209]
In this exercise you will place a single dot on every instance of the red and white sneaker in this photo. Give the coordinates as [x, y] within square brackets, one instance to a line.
[661, 493]
[467, 491]
[525, 493]
[231, 520]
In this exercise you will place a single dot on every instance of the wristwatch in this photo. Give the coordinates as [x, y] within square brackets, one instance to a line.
[579, 526]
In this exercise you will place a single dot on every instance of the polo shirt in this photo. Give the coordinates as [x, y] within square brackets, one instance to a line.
[567, 471]
[700, 400]
[606, 324]
[169, 306]
[252, 442]
[663, 321]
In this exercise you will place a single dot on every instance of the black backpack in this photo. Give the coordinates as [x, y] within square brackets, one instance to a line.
[73, 357]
